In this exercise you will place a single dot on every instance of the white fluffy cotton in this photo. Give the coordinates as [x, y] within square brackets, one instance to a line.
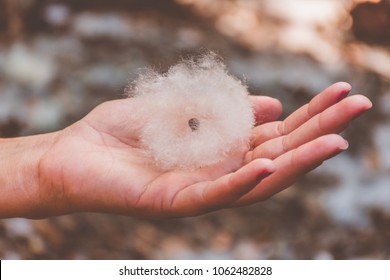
[194, 115]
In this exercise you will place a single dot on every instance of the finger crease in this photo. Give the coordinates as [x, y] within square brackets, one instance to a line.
[281, 128]
[285, 144]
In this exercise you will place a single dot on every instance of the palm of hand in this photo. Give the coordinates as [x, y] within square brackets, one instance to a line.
[96, 164]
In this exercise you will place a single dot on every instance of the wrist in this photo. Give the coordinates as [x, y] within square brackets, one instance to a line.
[20, 179]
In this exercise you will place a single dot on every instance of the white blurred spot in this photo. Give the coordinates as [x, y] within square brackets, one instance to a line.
[28, 67]
[18, 227]
[45, 114]
[106, 25]
[357, 192]
[57, 14]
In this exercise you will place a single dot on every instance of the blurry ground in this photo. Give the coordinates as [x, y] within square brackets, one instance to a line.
[59, 59]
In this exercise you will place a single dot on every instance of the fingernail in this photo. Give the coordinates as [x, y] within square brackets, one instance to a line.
[344, 146]
[343, 94]
[269, 170]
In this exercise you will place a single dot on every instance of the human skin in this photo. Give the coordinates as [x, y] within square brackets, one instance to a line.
[97, 165]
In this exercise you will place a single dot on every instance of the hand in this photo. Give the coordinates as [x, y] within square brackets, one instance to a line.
[304, 139]
[96, 164]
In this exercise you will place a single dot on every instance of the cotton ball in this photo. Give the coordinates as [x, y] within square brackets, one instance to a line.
[193, 115]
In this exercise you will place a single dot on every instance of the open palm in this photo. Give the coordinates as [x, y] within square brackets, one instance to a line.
[97, 165]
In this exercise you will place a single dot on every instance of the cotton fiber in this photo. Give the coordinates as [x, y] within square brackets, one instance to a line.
[194, 115]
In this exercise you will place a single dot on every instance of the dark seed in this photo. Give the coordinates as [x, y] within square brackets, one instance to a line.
[193, 124]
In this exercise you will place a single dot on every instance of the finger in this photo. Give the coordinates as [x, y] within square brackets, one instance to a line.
[318, 104]
[332, 120]
[293, 164]
[265, 109]
[208, 196]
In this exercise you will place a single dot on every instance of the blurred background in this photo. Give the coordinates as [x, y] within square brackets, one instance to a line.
[59, 59]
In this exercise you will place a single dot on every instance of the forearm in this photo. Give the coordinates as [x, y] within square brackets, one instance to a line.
[19, 175]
